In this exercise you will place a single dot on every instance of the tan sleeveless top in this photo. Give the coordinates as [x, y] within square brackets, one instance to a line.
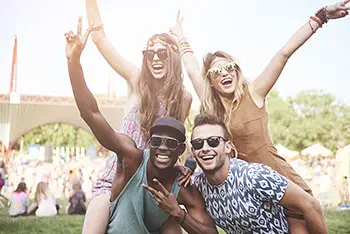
[250, 135]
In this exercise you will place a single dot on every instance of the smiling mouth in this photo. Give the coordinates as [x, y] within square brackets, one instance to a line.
[157, 67]
[227, 81]
[163, 158]
[207, 157]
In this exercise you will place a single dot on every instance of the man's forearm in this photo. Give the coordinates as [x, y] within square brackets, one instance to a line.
[86, 102]
[315, 220]
[193, 226]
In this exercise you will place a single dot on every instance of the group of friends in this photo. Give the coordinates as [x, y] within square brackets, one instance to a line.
[244, 186]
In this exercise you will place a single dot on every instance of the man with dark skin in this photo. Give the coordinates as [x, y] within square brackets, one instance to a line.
[133, 209]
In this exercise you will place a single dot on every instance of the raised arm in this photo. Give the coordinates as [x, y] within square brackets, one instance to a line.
[261, 86]
[297, 199]
[192, 67]
[86, 102]
[124, 68]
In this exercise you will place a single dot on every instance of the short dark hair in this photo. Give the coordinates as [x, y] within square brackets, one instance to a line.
[204, 118]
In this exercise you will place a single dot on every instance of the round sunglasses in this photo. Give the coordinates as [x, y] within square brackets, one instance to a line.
[212, 141]
[157, 141]
[215, 72]
[162, 54]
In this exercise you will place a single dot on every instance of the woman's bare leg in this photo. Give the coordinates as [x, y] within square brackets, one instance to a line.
[97, 215]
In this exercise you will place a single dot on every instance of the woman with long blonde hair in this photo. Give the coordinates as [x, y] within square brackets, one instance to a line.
[155, 90]
[224, 92]
[44, 201]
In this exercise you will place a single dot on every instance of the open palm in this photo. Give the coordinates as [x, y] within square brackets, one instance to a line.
[76, 42]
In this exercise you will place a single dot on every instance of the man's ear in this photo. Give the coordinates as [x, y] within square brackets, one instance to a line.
[230, 149]
[181, 148]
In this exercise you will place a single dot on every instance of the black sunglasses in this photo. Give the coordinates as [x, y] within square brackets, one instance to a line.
[212, 141]
[161, 53]
[170, 143]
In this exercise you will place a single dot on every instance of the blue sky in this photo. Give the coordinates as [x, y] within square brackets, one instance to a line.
[253, 31]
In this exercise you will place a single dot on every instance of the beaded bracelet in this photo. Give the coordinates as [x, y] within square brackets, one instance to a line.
[322, 15]
[312, 29]
[97, 28]
[317, 20]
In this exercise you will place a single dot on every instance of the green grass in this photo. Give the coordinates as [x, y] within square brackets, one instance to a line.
[62, 223]
[338, 223]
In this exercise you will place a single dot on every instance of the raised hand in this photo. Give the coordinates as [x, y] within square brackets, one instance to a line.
[177, 30]
[165, 200]
[76, 42]
[338, 10]
[185, 177]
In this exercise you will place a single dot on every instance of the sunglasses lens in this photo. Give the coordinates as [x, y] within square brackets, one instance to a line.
[162, 54]
[230, 67]
[197, 144]
[155, 141]
[213, 141]
[172, 143]
[148, 54]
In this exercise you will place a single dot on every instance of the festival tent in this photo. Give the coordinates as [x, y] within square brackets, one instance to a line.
[316, 150]
[288, 154]
[347, 147]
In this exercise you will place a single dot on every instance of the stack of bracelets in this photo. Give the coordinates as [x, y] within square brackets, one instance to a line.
[184, 46]
[320, 18]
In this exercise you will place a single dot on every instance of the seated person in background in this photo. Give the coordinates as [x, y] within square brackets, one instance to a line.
[19, 201]
[44, 202]
[77, 200]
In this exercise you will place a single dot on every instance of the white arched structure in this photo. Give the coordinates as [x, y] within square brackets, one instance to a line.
[21, 113]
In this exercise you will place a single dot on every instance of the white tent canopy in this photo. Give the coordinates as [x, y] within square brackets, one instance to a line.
[316, 150]
[286, 153]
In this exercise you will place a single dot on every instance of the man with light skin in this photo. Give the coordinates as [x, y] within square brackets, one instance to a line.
[245, 197]
[145, 193]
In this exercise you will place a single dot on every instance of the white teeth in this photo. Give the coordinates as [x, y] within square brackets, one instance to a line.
[157, 66]
[207, 157]
[162, 156]
[226, 81]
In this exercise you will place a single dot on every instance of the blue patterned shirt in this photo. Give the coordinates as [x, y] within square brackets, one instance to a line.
[247, 201]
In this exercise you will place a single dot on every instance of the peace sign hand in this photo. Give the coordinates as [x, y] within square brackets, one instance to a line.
[177, 30]
[76, 43]
[165, 200]
[338, 10]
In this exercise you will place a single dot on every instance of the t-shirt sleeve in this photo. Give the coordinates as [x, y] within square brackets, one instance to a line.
[196, 181]
[268, 185]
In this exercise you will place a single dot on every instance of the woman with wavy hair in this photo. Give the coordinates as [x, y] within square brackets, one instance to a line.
[224, 92]
[154, 90]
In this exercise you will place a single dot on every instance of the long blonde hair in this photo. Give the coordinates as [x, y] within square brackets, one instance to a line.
[210, 101]
[172, 90]
[42, 191]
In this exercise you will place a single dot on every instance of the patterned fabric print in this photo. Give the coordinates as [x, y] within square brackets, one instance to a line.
[131, 127]
[247, 201]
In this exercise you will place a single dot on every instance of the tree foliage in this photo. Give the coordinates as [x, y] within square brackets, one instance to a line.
[311, 117]
[59, 134]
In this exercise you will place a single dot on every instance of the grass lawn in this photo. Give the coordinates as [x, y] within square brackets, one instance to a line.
[338, 223]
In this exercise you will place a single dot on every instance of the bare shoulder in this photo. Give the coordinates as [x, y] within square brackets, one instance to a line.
[129, 149]
[187, 98]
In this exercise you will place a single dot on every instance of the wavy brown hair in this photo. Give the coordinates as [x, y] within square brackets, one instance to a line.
[211, 102]
[172, 91]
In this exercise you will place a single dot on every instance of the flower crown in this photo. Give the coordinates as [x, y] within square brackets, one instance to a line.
[152, 42]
